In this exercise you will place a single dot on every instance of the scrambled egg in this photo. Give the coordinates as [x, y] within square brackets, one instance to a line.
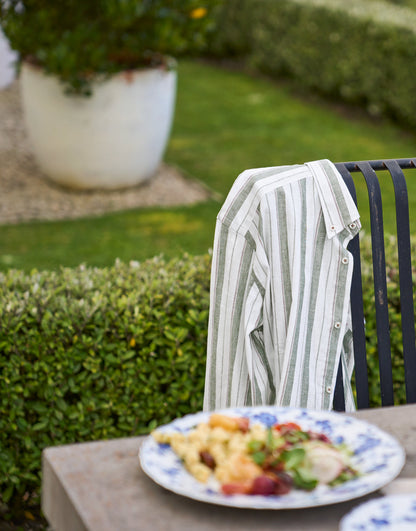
[223, 439]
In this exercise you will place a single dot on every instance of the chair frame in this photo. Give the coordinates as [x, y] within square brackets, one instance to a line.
[368, 170]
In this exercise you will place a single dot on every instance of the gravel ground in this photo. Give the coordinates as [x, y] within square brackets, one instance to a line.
[26, 194]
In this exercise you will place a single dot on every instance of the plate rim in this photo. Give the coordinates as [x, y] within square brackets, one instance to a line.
[263, 502]
[345, 520]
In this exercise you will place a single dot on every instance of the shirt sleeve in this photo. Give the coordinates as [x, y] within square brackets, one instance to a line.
[235, 374]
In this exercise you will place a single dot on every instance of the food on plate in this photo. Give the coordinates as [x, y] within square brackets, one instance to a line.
[250, 458]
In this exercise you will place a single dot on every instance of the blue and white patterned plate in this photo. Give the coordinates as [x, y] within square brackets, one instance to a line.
[392, 513]
[377, 455]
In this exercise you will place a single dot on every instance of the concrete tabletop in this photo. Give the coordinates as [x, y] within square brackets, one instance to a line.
[100, 486]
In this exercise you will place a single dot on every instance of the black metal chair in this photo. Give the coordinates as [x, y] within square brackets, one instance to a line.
[368, 170]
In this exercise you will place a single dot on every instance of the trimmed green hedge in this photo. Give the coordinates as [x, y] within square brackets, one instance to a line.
[361, 52]
[91, 354]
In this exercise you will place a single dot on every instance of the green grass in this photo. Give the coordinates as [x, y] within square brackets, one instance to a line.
[131, 235]
[225, 122]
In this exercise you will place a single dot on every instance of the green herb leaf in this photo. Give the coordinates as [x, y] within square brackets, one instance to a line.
[345, 475]
[293, 458]
[303, 479]
[297, 436]
[269, 439]
[273, 442]
[259, 457]
[255, 446]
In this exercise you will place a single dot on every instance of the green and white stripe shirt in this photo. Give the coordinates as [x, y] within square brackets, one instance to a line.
[280, 318]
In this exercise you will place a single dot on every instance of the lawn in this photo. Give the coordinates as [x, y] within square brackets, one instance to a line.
[225, 121]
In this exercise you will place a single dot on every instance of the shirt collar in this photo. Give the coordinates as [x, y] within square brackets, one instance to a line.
[339, 209]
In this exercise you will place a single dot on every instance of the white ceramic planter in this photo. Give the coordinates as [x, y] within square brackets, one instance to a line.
[7, 60]
[116, 138]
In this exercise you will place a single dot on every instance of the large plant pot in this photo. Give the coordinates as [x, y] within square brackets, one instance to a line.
[115, 138]
[7, 60]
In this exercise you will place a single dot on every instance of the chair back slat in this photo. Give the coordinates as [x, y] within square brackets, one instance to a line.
[380, 284]
[339, 396]
[368, 170]
[360, 357]
[405, 276]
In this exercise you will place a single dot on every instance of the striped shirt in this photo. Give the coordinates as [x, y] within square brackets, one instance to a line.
[280, 319]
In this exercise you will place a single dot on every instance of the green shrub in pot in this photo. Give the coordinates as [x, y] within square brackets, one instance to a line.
[76, 41]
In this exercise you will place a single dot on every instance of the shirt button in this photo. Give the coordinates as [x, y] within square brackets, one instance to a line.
[333, 228]
[345, 260]
[328, 389]
[337, 324]
[353, 225]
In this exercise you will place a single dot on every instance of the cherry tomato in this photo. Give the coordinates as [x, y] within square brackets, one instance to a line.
[319, 437]
[263, 485]
[236, 488]
[287, 426]
[284, 483]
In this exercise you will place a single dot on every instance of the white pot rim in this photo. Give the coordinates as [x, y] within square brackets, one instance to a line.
[171, 65]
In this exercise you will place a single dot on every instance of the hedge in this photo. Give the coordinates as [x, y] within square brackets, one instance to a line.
[357, 51]
[90, 354]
